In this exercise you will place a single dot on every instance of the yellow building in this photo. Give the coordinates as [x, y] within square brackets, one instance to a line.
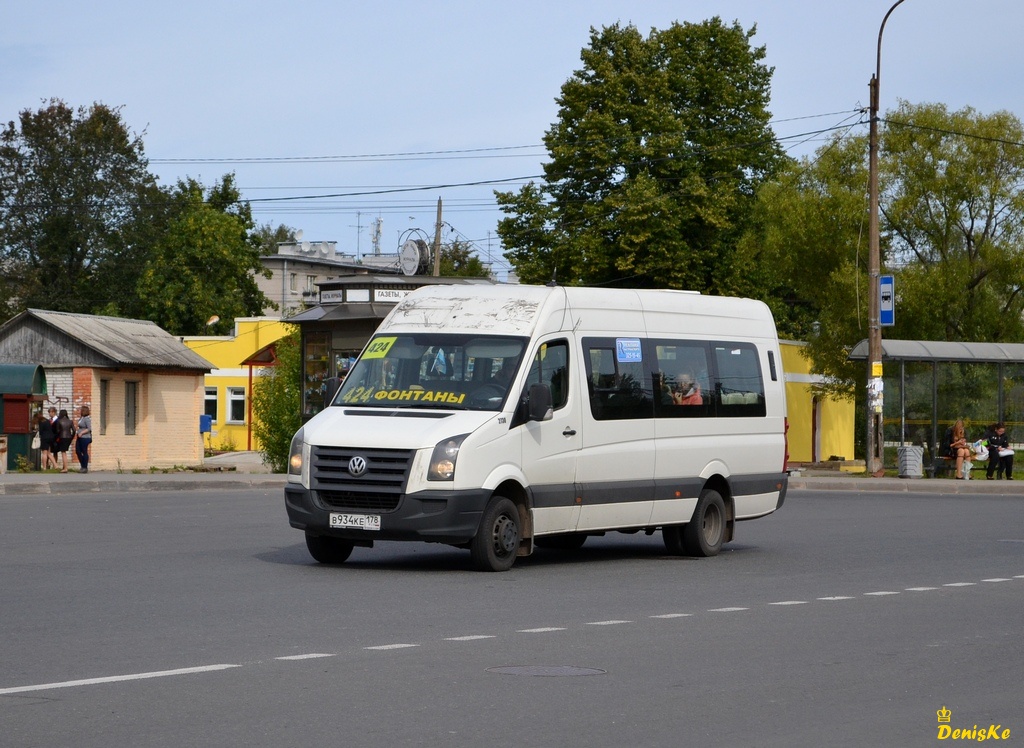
[227, 388]
[820, 427]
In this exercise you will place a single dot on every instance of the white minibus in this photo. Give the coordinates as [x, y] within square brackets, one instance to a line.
[505, 418]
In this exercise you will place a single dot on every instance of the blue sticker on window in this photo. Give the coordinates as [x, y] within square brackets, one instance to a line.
[628, 351]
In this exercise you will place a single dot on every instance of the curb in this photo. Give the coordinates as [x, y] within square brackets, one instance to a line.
[171, 482]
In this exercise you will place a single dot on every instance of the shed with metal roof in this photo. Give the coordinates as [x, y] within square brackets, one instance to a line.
[144, 385]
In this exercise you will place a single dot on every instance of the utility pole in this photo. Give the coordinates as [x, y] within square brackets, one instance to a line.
[437, 240]
[874, 451]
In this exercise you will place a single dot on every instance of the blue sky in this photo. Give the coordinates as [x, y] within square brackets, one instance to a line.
[288, 96]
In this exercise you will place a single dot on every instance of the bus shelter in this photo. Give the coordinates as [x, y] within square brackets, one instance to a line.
[928, 384]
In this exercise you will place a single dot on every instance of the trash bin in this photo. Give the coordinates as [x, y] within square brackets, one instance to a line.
[911, 461]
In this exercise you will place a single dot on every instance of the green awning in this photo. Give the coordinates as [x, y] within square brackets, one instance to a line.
[22, 379]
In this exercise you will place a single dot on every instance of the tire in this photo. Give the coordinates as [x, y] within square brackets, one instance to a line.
[327, 550]
[673, 537]
[496, 543]
[570, 541]
[705, 532]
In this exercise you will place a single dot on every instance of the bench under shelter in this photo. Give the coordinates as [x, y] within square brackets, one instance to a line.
[928, 384]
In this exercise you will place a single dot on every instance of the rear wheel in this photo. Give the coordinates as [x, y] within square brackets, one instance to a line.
[705, 532]
[496, 544]
[328, 550]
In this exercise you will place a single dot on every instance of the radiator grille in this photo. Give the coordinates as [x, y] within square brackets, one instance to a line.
[379, 489]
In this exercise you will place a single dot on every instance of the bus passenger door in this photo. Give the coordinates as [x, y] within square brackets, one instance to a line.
[550, 447]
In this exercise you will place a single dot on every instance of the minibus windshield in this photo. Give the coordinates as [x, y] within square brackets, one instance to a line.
[431, 370]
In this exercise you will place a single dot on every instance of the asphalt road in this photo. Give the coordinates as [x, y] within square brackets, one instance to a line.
[196, 618]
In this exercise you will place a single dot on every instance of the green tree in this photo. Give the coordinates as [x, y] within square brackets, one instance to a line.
[277, 402]
[654, 161]
[951, 231]
[459, 260]
[204, 263]
[70, 180]
[267, 237]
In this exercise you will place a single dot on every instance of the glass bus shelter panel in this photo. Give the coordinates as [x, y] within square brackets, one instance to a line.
[1013, 401]
[968, 391]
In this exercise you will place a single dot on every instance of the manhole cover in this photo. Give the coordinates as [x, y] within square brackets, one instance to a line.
[545, 671]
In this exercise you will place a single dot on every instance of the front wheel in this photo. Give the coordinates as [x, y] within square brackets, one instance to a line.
[327, 550]
[496, 543]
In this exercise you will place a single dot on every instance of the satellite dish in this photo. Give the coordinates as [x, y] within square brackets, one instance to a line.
[305, 246]
[298, 235]
[409, 257]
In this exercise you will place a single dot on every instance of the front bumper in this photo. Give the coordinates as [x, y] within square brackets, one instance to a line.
[450, 517]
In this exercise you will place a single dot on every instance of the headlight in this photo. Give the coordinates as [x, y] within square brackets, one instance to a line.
[442, 462]
[295, 454]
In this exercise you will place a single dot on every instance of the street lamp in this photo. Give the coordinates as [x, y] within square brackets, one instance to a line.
[874, 462]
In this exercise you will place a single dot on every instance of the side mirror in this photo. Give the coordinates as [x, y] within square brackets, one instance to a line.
[331, 387]
[539, 403]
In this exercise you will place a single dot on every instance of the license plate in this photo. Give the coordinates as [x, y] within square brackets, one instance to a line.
[355, 521]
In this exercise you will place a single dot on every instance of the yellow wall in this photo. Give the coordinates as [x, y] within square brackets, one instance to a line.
[227, 353]
[835, 417]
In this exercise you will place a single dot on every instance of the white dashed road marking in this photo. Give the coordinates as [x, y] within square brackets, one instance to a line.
[392, 646]
[541, 630]
[311, 656]
[466, 638]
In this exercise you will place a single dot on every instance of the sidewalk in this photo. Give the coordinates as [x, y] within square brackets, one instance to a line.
[830, 480]
[241, 470]
[232, 470]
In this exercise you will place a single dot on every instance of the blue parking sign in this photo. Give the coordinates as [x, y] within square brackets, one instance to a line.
[886, 301]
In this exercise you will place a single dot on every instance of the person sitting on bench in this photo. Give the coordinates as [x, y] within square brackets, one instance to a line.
[958, 448]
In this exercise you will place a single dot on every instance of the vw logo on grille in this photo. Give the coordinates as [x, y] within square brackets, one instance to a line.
[357, 466]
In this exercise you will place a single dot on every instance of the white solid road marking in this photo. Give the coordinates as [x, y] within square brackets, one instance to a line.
[116, 678]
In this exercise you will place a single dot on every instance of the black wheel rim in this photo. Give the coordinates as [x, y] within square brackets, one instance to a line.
[506, 535]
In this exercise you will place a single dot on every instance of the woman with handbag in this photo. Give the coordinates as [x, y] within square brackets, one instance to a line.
[44, 431]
